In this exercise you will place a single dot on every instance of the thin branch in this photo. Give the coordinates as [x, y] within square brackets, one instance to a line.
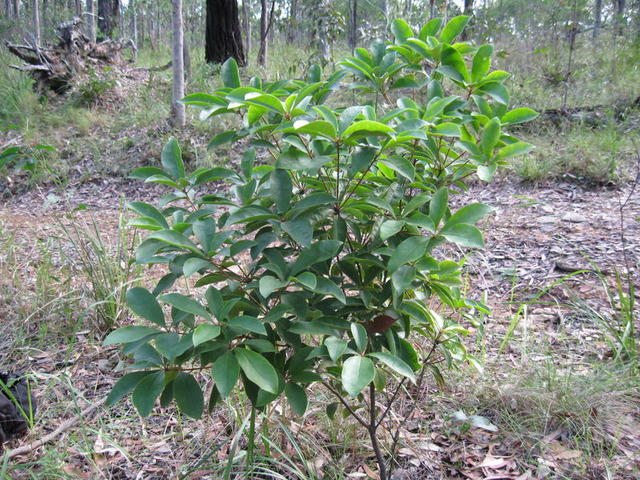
[47, 438]
[346, 405]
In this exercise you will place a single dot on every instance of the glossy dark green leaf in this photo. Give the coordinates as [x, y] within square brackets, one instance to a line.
[248, 323]
[205, 332]
[519, 115]
[188, 395]
[481, 62]
[186, 304]
[401, 30]
[464, 235]
[129, 334]
[469, 214]
[269, 284]
[336, 347]
[257, 369]
[300, 230]
[394, 363]
[453, 28]
[281, 188]
[124, 386]
[409, 250]
[147, 392]
[230, 73]
[172, 159]
[225, 373]
[145, 305]
[359, 334]
[297, 397]
[317, 252]
[357, 373]
[490, 136]
[438, 205]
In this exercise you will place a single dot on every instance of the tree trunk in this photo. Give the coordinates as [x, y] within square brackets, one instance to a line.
[36, 22]
[134, 21]
[597, 23]
[432, 8]
[292, 32]
[78, 8]
[353, 24]
[177, 108]
[246, 27]
[223, 39]
[91, 21]
[264, 14]
[620, 6]
[108, 16]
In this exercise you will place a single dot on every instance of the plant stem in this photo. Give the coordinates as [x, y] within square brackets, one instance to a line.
[373, 428]
[252, 435]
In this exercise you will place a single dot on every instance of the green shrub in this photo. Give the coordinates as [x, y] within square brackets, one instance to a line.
[322, 268]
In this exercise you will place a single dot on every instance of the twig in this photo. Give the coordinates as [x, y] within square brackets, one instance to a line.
[47, 438]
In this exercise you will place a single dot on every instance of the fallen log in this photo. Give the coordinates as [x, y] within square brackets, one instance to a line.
[56, 67]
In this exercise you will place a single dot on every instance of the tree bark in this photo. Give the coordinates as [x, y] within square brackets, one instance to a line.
[36, 21]
[108, 16]
[353, 24]
[620, 6]
[262, 52]
[246, 27]
[597, 23]
[91, 21]
[177, 108]
[292, 32]
[223, 39]
[16, 9]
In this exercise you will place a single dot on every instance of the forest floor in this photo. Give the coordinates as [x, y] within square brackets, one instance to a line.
[551, 403]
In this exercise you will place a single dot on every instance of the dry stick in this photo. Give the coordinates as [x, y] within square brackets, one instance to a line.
[47, 438]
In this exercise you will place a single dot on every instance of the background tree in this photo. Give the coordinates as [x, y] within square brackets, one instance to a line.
[177, 108]
[91, 21]
[108, 16]
[223, 38]
[36, 21]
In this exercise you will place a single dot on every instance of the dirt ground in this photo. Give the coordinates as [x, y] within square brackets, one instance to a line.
[536, 235]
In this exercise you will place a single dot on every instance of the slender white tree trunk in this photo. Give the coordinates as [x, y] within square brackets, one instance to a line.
[36, 21]
[177, 108]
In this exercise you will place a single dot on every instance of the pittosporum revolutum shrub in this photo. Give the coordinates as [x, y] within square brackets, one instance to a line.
[319, 266]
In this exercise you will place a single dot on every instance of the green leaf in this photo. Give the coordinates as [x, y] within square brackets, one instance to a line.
[365, 128]
[486, 172]
[205, 332]
[453, 28]
[171, 345]
[269, 284]
[438, 205]
[249, 323]
[447, 129]
[175, 239]
[490, 136]
[225, 373]
[300, 230]
[430, 28]
[145, 305]
[192, 265]
[172, 159]
[519, 115]
[320, 128]
[230, 73]
[297, 397]
[328, 287]
[395, 364]
[469, 214]
[281, 188]
[495, 90]
[129, 334]
[409, 250]
[360, 159]
[390, 227]
[147, 391]
[265, 100]
[124, 386]
[357, 373]
[401, 30]
[185, 304]
[317, 252]
[402, 167]
[336, 347]
[307, 279]
[402, 278]
[257, 369]
[464, 235]
[150, 211]
[514, 150]
[188, 395]
[453, 65]
[481, 62]
[360, 336]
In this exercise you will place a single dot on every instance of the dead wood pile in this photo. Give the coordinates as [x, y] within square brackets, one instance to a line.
[56, 67]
